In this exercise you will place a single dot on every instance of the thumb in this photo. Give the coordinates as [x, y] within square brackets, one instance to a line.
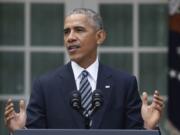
[144, 98]
[22, 106]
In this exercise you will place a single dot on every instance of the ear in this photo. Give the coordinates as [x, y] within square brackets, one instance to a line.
[100, 36]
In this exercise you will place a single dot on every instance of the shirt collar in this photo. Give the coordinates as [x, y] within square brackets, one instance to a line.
[92, 70]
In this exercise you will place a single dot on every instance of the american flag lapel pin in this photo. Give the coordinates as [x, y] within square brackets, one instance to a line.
[107, 86]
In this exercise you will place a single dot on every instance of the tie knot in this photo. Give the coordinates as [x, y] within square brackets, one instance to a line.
[84, 73]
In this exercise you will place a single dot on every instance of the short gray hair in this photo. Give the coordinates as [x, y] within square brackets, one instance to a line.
[96, 18]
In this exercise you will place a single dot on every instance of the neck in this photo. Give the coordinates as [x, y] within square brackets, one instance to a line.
[86, 63]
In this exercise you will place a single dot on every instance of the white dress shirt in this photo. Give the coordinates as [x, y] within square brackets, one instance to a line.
[92, 70]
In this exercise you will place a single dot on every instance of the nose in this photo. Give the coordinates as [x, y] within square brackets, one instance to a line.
[71, 37]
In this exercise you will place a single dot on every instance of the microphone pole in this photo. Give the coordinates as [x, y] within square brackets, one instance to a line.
[87, 121]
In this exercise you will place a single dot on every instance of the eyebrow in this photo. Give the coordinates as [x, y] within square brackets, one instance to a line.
[76, 27]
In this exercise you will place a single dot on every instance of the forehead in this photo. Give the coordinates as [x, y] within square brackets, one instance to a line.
[78, 20]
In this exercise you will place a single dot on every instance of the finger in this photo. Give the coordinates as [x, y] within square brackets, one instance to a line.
[158, 97]
[9, 112]
[9, 102]
[144, 98]
[11, 105]
[156, 92]
[9, 108]
[158, 102]
[9, 118]
[22, 106]
[159, 108]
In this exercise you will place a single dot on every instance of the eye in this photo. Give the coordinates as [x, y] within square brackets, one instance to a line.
[66, 31]
[79, 29]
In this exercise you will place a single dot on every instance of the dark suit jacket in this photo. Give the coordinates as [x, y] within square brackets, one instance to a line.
[49, 105]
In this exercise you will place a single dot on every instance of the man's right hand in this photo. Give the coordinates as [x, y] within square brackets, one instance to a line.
[14, 120]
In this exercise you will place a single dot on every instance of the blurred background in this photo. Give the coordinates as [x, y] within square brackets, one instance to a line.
[31, 43]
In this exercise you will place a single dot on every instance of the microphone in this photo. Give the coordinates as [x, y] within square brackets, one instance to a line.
[75, 101]
[97, 100]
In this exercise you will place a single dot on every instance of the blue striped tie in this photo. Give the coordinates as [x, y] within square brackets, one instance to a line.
[86, 93]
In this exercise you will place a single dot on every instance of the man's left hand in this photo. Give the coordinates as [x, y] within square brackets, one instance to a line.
[151, 114]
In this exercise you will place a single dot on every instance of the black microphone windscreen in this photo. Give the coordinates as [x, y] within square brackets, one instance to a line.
[97, 98]
[75, 100]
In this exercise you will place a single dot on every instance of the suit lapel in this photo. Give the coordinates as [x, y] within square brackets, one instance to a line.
[104, 83]
[68, 87]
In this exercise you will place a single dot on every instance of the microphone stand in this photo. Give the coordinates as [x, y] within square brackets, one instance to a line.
[87, 121]
[97, 101]
[75, 102]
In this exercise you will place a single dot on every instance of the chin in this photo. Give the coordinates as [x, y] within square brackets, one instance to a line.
[78, 58]
[75, 59]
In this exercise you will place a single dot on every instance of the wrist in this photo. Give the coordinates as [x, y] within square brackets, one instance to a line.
[150, 126]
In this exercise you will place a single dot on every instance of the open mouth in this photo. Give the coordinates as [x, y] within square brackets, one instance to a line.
[72, 48]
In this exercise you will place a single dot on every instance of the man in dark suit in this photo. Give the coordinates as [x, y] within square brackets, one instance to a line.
[49, 105]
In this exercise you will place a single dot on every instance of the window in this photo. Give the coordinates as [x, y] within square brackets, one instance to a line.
[31, 42]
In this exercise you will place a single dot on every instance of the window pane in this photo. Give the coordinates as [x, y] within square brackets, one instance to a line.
[121, 61]
[153, 72]
[118, 24]
[45, 62]
[11, 73]
[153, 25]
[47, 24]
[11, 24]
[3, 129]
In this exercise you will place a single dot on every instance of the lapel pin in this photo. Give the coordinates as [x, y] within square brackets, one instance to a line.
[107, 86]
